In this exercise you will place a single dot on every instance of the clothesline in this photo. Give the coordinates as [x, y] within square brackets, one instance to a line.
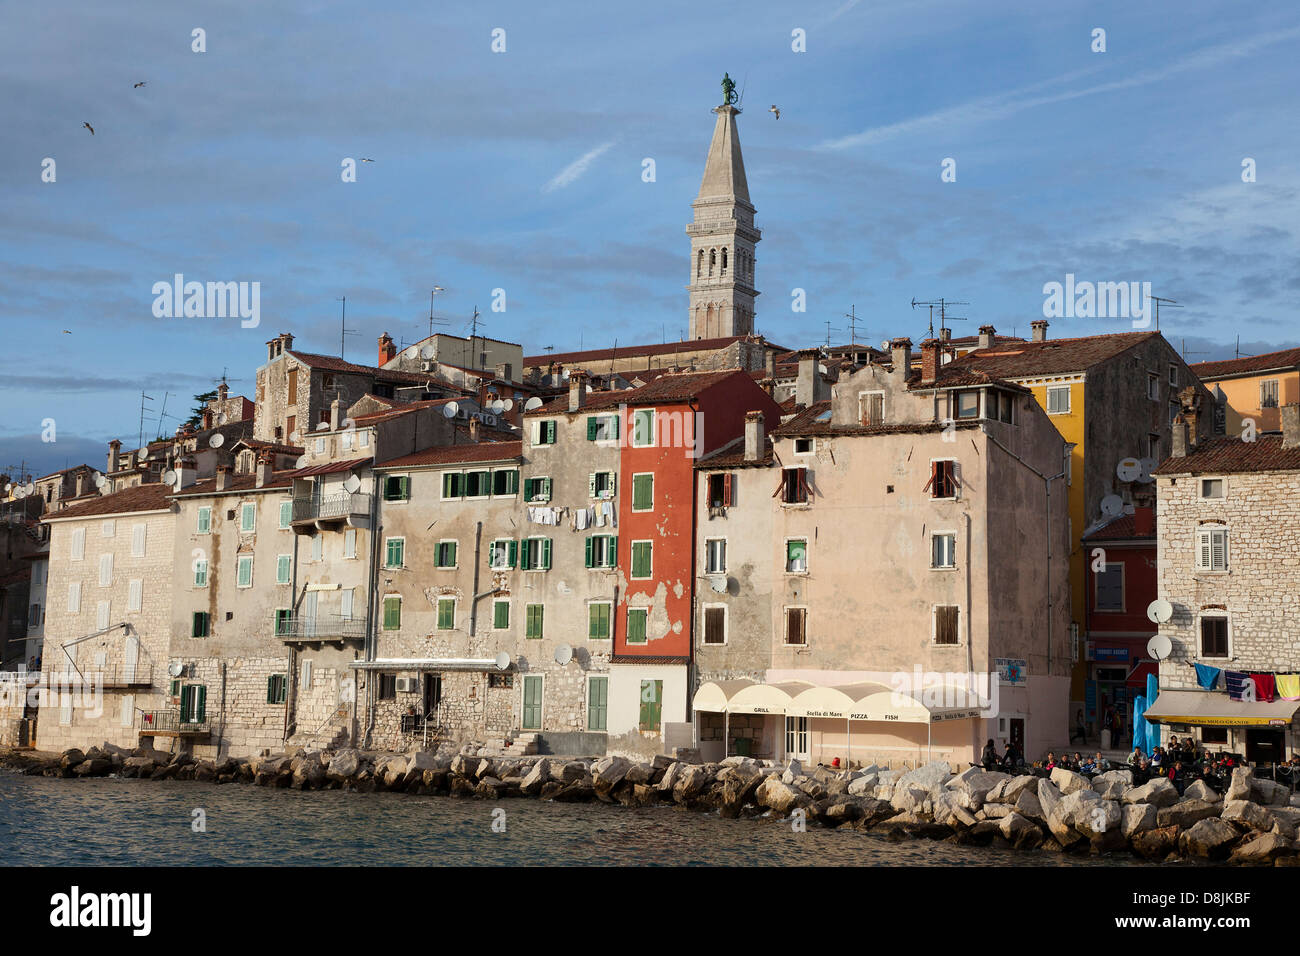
[1263, 686]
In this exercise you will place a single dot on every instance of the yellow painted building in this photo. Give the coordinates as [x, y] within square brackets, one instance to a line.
[1255, 387]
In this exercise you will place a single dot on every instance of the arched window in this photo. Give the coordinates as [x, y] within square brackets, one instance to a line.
[713, 260]
[724, 261]
[699, 264]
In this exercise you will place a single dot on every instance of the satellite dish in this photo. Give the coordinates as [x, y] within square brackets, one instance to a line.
[323, 426]
[508, 404]
[1112, 506]
[1160, 611]
[498, 406]
[718, 582]
[302, 461]
[502, 661]
[532, 403]
[563, 654]
[1129, 469]
[352, 484]
[169, 477]
[293, 437]
[20, 492]
[1148, 465]
[427, 351]
[450, 409]
[884, 345]
[143, 454]
[175, 668]
[9, 487]
[100, 481]
[217, 440]
[1160, 647]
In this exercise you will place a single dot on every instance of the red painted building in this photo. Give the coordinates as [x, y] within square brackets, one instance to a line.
[1115, 615]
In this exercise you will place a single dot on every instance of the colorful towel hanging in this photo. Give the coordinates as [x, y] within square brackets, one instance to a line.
[1288, 686]
[1236, 681]
[1207, 676]
[1263, 687]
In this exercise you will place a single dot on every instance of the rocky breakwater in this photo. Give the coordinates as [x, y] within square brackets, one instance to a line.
[1254, 823]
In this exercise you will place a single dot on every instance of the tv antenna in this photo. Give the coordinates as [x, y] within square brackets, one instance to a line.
[436, 289]
[473, 334]
[1157, 300]
[944, 317]
[852, 316]
[829, 330]
[1183, 351]
[344, 331]
[143, 399]
[1238, 349]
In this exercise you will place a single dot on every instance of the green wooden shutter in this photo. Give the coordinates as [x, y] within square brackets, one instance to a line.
[446, 614]
[652, 692]
[597, 703]
[392, 613]
[501, 614]
[550, 433]
[524, 564]
[593, 621]
[533, 615]
[286, 513]
[201, 705]
[589, 550]
[271, 689]
[532, 715]
[613, 423]
[593, 428]
[512, 553]
[546, 553]
[404, 488]
[636, 625]
[187, 695]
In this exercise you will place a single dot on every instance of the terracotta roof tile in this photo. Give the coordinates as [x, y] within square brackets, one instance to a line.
[330, 468]
[1119, 529]
[1051, 357]
[237, 484]
[732, 455]
[1230, 454]
[664, 390]
[636, 351]
[335, 364]
[148, 497]
[457, 454]
[1285, 359]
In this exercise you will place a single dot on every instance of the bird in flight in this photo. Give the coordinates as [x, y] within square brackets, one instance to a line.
[89, 127]
[773, 109]
[364, 160]
[138, 85]
[67, 331]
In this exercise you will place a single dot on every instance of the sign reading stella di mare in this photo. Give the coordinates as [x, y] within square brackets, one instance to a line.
[1010, 670]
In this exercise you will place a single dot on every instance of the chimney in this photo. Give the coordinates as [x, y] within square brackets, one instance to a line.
[387, 350]
[473, 429]
[1179, 446]
[264, 460]
[929, 361]
[223, 390]
[754, 435]
[207, 419]
[187, 471]
[1191, 402]
[336, 412]
[223, 477]
[987, 336]
[1144, 521]
[114, 448]
[769, 385]
[1040, 330]
[577, 389]
[769, 363]
[810, 386]
[1290, 415]
[945, 335]
[901, 355]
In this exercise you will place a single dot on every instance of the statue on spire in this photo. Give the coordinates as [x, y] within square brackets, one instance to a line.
[728, 90]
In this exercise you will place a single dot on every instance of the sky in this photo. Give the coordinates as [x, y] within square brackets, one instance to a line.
[520, 168]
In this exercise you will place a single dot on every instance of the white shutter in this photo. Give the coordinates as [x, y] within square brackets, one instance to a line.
[1219, 550]
[106, 570]
[101, 615]
[305, 682]
[128, 710]
[350, 543]
[108, 528]
[65, 709]
[537, 432]
[135, 595]
[78, 544]
[1203, 549]
[137, 541]
[345, 604]
[317, 546]
[74, 597]
[591, 485]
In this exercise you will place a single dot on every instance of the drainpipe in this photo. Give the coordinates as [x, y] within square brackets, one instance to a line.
[290, 677]
[473, 604]
[371, 606]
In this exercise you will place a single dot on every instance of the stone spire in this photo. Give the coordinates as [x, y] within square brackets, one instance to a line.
[723, 237]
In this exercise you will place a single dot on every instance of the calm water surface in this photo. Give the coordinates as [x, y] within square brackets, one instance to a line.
[47, 821]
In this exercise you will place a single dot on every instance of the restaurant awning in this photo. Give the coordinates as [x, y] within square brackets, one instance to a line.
[766, 698]
[862, 701]
[843, 702]
[714, 695]
[1217, 709]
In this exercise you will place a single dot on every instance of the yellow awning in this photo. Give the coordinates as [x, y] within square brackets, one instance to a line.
[1217, 709]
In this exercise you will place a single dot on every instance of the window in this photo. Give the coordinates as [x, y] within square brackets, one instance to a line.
[1174, 409]
[106, 570]
[453, 485]
[498, 681]
[715, 625]
[537, 489]
[199, 625]
[392, 613]
[446, 554]
[1268, 393]
[1214, 636]
[397, 488]
[363, 439]
[794, 486]
[532, 704]
[602, 427]
[102, 615]
[194, 704]
[79, 544]
[320, 446]
[478, 484]
[34, 616]
[346, 441]
[643, 428]
[597, 702]
[503, 554]
[244, 571]
[544, 432]
[137, 541]
[602, 551]
[394, 552]
[536, 554]
[968, 405]
[715, 556]
[600, 484]
[1212, 549]
[533, 616]
[871, 408]
[945, 624]
[1006, 406]
[1153, 447]
[642, 559]
[598, 616]
[796, 555]
[500, 614]
[803, 446]
[1153, 386]
[317, 546]
[505, 482]
[1058, 399]
[943, 550]
[652, 704]
[643, 492]
[943, 481]
[74, 597]
[284, 569]
[795, 626]
[721, 490]
[637, 618]
[1173, 375]
[135, 595]
[286, 514]
[1110, 588]
[387, 689]
[345, 603]
[248, 517]
[350, 543]
[108, 529]
[446, 613]
[277, 689]
[1214, 735]
[200, 572]
[1211, 487]
[283, 621]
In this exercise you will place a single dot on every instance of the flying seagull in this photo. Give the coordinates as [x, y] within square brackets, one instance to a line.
[773, 109]
[138, 85]
[67, 331]
[89, 127]
[364, 160]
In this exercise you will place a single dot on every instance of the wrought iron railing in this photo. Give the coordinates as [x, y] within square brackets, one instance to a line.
[319, 628]
[331, 506]
[170, 722]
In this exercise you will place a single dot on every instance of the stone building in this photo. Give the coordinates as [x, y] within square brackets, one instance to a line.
[1252, 387]
[1228, 541]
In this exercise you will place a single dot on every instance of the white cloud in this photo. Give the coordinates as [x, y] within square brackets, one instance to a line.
[576, 169]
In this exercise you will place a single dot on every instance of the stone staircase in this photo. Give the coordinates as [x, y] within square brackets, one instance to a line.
[525, 745]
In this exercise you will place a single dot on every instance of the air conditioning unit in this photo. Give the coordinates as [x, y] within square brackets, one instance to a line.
[462, 414]
[408, 685]
[426, 366]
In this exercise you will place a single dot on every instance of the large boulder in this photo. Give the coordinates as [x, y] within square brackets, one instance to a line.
[1286, 821]
[1028, 805]
[1239, 786]
[930, 775]
[70, 758]
[462, 765]
[1098, 818]
[996, 811]
[392, 770]
[909, 799]
[308, 770]
[739, 783]
[1155, 844]
[1008, 791]
[1048, 796]
[1270, 793]
[1200, 790]
[639, 774]
[1247, 815]
[863, 785]
[1264, 850]
[775, 794]
[1112, 784]
[977, 783]
[344, 765]
[1185, 813]
[1159, 791]
[669, 780]
[93, 767]
[1209, 839]
[1068, 782]
[1137, 818]
[536, 778]
[608, 772]
[793, 769]
[575, 771]
[691, 783]
[1020, 832]
[422, 760]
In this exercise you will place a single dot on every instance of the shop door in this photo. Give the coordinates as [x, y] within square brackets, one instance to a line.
[1264, 745]
[796, 737]
[1016, 727]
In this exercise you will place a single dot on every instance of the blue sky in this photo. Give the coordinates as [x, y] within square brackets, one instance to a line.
[1115, 166]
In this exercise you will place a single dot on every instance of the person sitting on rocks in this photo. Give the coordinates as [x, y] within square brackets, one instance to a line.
[1136, 757]
[1087, 766]
[989, 758]
[1011, 757]
[1050, 763]
[1156, 758]
[1100, 762]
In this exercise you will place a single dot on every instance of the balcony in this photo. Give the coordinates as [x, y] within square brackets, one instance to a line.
[168, 723]
[320, 629]
[311, 511]
[122, 676]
